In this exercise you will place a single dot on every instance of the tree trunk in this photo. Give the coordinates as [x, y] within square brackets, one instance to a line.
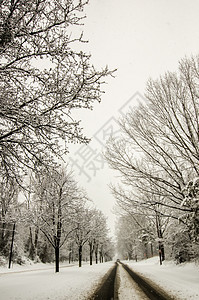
[160, 236]
[80, 255]
[146, 250]
[31, 245]
[160, 254]
[91, 254]
[162, 251]
[11, 248]
[96, 256]
[151, 250]
[101, 257]
[36, 240]
[57, 259]
[57, 238]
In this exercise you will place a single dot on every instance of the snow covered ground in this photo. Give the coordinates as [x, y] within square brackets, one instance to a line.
[70, 283]
[20, 283]
[180, 280]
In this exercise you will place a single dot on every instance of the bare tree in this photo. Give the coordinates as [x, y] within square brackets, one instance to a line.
[159, 150]
[43, 78]
[83, 225]
[9, 211]
[158, 153]
[56, 200]
[98, 236]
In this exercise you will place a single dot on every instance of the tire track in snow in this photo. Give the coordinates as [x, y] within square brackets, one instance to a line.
[151, 290]
[128, 288]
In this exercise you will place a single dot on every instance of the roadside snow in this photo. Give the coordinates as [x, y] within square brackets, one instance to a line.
[40, 282]
[70, 283]
[180, 280]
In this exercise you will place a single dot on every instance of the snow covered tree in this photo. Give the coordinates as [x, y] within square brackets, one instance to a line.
[126, 244]
[9, 207]
[57, 197]
[179, 245]
[158, 152]
[43, 79]
[91, 229]
[146, 214]
[83, 228]
[135, 236]
[191, 201]
[187, 237]
[109, 249]
[98, 232]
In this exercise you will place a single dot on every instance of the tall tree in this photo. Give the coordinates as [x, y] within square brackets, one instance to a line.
[57, 197]
[9, 207]
[158, 152]
[42, 80]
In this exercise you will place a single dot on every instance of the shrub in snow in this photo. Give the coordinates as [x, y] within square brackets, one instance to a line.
[183, 237]
[3, 261]
[191, 202]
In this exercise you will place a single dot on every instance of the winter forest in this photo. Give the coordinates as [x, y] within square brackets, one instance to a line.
[46, 216]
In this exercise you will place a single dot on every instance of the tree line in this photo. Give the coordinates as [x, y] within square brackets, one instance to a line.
[157, 157]
[45, 77]
[51, 220]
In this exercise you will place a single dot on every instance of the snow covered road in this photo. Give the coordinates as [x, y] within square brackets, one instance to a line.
[128, 289]
[73, 283]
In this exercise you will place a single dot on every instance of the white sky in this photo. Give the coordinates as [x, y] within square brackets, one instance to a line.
[142, 39]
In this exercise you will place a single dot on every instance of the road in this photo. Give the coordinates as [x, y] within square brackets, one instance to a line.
[123, 283]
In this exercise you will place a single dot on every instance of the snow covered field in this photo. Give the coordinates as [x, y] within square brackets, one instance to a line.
[75, 283]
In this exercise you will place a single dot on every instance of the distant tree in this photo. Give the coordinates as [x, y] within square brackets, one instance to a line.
[91, 229]
[98, 232]
[43, 79]
[109, 249]
[126, 238]
[83, 229]
[135, 236]
[146, 214]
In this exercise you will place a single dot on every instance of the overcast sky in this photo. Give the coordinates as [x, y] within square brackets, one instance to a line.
[142, 39]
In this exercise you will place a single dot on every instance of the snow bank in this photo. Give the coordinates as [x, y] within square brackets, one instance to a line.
[71, 282]
[180, 280]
